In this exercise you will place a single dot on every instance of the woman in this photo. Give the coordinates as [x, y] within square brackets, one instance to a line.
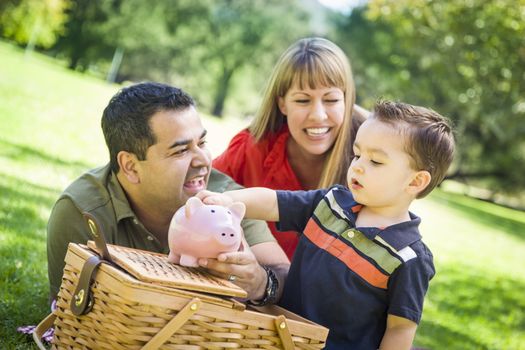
[301, 137]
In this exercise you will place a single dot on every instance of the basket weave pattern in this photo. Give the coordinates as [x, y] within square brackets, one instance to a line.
[127, 313]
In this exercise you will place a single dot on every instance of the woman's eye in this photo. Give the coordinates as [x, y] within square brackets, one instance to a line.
[332, 100]
[376, 162]
[302, 101]
[356, 157]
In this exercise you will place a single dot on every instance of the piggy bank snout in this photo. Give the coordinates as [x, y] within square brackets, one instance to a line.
[228, 236]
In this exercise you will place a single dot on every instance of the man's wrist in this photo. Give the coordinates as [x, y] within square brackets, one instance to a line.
[270, 291]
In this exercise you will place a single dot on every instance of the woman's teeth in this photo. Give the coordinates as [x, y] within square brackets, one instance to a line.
[317, 131]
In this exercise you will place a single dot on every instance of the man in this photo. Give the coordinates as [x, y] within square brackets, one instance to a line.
[158, 159]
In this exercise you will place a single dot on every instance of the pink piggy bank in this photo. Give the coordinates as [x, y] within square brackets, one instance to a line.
[198, 231]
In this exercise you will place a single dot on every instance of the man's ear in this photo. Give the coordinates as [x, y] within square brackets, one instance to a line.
[128, 164]
[419, 182]
[281, 105]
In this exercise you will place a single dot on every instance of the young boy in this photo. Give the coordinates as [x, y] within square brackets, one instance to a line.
[361, 268]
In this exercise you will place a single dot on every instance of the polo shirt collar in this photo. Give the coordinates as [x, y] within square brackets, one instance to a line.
[397, 236]
[119, 199]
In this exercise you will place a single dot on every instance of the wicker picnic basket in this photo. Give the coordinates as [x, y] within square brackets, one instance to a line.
[147, 303]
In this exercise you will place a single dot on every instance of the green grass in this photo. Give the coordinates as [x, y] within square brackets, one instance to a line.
[50, 134]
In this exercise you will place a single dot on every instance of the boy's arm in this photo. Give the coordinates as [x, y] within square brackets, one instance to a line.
[261, 203]
[399, 333]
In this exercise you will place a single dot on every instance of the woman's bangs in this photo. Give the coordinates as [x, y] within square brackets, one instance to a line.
[315, 73]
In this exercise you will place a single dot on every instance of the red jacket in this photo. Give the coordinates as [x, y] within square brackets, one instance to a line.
[262, 164]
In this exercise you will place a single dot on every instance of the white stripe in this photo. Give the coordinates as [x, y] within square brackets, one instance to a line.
[334, 205]
[407, 254]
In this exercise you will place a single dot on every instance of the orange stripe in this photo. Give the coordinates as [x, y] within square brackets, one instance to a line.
[346, 254]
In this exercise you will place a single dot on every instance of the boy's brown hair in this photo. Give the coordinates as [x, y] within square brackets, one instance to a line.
[429, 137]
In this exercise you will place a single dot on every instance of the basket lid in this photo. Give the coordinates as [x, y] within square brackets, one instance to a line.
[155, 268]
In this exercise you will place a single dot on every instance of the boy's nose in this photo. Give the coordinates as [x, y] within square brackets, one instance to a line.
[358, 169]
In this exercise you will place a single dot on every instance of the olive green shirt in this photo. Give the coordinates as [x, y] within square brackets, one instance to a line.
[99, 193]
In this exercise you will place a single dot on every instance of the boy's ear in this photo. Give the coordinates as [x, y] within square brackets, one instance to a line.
[419, 182]
[282, 105]
[128, 163]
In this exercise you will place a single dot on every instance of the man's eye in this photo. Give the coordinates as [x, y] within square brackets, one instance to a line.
[180, 151]
[203, 143]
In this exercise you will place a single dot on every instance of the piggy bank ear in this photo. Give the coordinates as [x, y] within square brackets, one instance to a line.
[238, 209]
[192, 205]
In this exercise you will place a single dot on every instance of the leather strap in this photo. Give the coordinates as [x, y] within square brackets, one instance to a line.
[82, 300]
[283, 330]
[42, 327]
[173, 326]
[98, 235]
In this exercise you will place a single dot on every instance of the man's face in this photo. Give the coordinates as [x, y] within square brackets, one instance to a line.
[178, 165]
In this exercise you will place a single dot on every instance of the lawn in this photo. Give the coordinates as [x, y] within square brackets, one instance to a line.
[50, 134]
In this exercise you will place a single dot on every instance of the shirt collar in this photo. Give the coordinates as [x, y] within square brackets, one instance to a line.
[119, 199]
[397, 236]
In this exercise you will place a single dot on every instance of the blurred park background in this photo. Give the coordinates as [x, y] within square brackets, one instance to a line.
[62, 60]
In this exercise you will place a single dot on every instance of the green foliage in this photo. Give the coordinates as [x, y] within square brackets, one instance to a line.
[51, 134]
[463, 58]
[198, 44]
[36, 21]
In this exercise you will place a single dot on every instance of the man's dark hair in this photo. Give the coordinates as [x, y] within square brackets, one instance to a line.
[125, 121]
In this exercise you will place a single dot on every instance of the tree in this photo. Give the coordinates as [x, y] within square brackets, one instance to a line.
[38, 22]
[465, 59]
[238, 33]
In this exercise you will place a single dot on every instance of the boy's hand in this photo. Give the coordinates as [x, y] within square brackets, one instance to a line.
[209, 197]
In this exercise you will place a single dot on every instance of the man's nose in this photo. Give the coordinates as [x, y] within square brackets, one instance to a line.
[201, 158]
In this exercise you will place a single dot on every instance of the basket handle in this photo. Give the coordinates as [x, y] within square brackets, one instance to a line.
[42, 327]
[283, 330]
[174, 324]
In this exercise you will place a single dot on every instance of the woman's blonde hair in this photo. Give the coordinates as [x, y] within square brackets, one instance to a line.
[313, 63]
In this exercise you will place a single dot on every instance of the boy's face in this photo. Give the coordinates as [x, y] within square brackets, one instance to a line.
[380, 173]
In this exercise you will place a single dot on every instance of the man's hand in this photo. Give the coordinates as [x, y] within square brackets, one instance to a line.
[209, 197]
[241, 268]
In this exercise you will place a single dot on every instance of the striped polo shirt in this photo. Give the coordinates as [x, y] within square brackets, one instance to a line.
[346, 278]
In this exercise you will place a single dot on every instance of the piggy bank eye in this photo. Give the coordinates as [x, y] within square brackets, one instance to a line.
[229, 212]
[213, 210]
[223, 234]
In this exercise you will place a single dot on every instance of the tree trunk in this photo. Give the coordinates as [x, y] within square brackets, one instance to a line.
[222, 91]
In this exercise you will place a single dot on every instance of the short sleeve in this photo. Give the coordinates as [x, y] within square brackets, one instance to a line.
[232, 160]
[65, 225]
[296, 208]
[408, 286]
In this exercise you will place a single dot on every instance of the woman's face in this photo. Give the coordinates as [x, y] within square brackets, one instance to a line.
[314, 116]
